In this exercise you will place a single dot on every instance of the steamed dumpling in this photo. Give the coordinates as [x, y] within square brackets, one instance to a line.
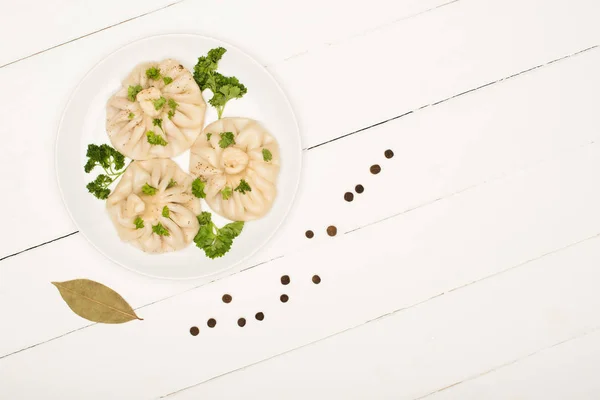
[137, 206]
[170, 106]
[240, 174]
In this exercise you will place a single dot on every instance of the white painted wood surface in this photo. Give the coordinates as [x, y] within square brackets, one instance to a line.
[466, 270]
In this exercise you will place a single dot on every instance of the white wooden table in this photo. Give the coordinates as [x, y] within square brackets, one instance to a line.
[468, 268]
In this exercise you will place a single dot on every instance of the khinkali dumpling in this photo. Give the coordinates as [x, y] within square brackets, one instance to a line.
[160, 98]
[153, 207]
[239, 161]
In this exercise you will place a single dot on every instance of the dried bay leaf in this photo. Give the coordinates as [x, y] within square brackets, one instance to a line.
[95, 302]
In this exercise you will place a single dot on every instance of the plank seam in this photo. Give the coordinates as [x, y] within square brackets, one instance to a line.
[515, 361]
[268, 261]
[89, 34]
[392, 313]
[457, 95]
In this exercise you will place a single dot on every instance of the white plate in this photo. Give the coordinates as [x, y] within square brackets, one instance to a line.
[83, 122]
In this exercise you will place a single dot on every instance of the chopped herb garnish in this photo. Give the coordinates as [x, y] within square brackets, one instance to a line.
[156, 140]
[158, 103]
[243, 187]
[153, 73]
[172, 183]
[267, 156]
[226, 139]
[167, 80]
[157, 122]
[224, 88]
[111, 161]
[173, 106]
[133, 91]
[149, 190]
[208, 135]
[139, 223]
[165, 212]
[226, 192]
[198, 188]
[131, 115]
[160, 230]
[214, 241]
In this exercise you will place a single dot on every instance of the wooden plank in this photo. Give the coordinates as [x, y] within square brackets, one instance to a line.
[416, 256]
[552, 114]
[29, 26]
[526, 341]
[462, 49]
[32, 153]
[566, 370]
[429, 58]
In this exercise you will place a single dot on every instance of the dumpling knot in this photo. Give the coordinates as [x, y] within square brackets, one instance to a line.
[234, 160]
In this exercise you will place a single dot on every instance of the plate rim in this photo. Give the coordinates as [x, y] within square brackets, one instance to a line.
[295, 186]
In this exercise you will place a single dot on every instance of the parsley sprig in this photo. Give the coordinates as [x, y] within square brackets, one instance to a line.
[155, 139]
[160, 230]
[226, 192]
[243, 187]
[227, 139]
[132, 92]
[267, 155]
[224, 88]
[198, 188]
[216, 242]
[111, 161]
[173, 107]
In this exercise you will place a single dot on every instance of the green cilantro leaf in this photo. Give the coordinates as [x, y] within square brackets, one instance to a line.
[111, 161]
[149, 190]
[167, 80]
[165, 212]
[139, 223]
[204, 218]
[267, 156]
[198, 188]
[153, 73]
[160, 230]
[243, 187]
[214, 241]
[158, 103]
[219, 247]
[156, 140]
[224, 88]
[132, 92]
[233, 229]
[205, 235]
[226, 139]
[173, 106]
[172, 183]
[226, 192]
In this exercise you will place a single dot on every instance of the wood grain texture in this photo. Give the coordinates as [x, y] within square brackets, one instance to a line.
[466, 267]
[429, 164]
[494, 339]
[459, 49]
[38, 26]
[492, 227]
[33, 151]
